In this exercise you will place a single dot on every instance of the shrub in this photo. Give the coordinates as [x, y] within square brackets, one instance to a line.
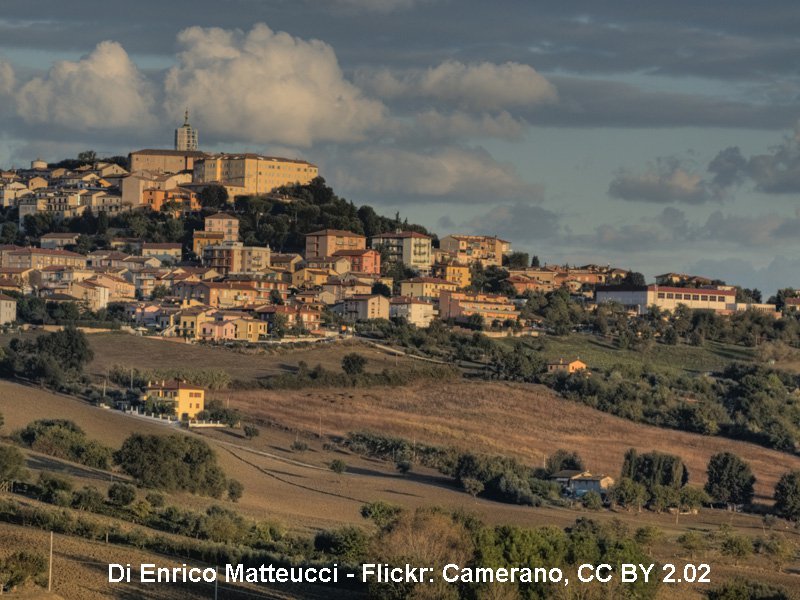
[12, 463]
[348, 543]
[235, 490]
[730, 479]
[299, 446]
[19, 568]
[592, 501]
[381, 513]
[353, 364]
[121, 494]
[64, 439]
[787, 495]
[250, 431]
[338, 466]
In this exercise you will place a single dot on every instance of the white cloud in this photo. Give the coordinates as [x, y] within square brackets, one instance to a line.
[481, 86]
[447, 174]
[266, 86]
[103, 90]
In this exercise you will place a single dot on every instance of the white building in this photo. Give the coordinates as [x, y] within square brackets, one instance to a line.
[186, 135]
[639, 298]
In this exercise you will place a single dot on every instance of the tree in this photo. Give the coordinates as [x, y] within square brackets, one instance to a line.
[730, 479]
[275, 297]
[472, 486]
[381, 513]
[693, 542]
[87, 157]
[635, 279]
[160, 291]
[736, 546]
[213, 196]
[235, 490]
[535, 262]
[740, 589]
[2, 420]
[562, 460]
[592, 501]
[787, 495]
[628, 494]
[475, 321]
[381, 288]
[121, 494]
[516, 260]
[12, 463]
[353, 364]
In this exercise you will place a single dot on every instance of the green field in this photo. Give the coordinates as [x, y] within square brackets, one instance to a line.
[601, 353]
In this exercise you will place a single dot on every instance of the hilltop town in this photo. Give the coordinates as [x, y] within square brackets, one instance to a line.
[208, 247]
[303, 351]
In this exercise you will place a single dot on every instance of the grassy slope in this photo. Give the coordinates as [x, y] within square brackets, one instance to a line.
[601, 353]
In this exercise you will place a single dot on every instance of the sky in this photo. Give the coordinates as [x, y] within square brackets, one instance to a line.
[651, 136]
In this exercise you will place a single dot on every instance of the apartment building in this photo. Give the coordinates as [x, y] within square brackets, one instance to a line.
[324, 243]
[38, 258]
[235, 257]
[425, 287]
[639, 298]
[412, 249]
[461, 305]
[483, 249]
[164, 161]
[362, 261]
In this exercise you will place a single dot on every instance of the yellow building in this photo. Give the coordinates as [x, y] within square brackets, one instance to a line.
[487, 250]
[189, 400]
[454, 273]
[425, 287]
[253, 173]
[164, 161]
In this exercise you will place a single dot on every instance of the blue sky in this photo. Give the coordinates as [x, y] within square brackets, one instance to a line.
[652, 136]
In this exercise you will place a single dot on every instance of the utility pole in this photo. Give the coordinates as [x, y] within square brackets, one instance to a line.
[216, 582]
[50, 573]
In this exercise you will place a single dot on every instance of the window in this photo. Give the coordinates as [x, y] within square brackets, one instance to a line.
[695, 296]
[670, 296]
[704, 298]
[661, 295]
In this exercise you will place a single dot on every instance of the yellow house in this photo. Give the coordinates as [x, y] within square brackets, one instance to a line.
[311, 277]
[425, 287]
[566, 367]
[189, 399]
[454, 273]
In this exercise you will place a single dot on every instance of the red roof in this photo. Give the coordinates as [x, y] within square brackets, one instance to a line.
[336, 232]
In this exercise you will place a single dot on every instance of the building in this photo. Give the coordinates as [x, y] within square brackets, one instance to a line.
[252, 173]
[186, 136]
[224, 223]
[235, 257]
[324, 243]
[164, 161]
[188, 400]
[425, 287]
[8, 309]
[566, 367]
[414, 311]
[483, 249]
[412, 249]
[135, 187]
[37, 258]
[56, 241]
[363, 308]
[640, 298]
[462, 305]
[179, 200]
[166, 253]
[453, 272]
[201, 239]
[362, 261]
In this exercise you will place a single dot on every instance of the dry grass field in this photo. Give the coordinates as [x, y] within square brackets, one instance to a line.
[150, 353]
[525, 421]
[298, 490]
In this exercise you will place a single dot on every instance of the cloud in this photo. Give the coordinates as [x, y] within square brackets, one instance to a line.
[519, 222]
[103, 90]
[665, 181]
[482, 86]
[780, 272]
[447, 174]
[773, 172]
[742, 230]
[432, 125]
[377, 6]
[265, 86]
[6, 78]
[591, 102]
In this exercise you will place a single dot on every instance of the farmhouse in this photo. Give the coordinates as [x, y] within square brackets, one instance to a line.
[189, 399]
[566, 367]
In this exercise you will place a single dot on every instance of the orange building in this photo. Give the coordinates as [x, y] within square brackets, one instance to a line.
[362, 261]
[321, 244]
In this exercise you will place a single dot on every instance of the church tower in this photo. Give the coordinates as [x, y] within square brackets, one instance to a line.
[185, 136]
